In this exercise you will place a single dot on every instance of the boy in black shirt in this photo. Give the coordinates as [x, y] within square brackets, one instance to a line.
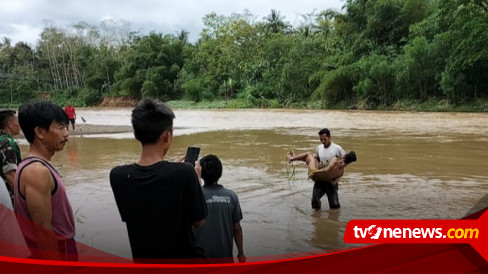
[160, 202]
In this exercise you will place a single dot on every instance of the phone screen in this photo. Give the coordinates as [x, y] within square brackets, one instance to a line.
[192, 155]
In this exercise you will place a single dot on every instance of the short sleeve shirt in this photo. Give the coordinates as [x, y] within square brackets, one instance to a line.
[216, 235]
[159, 203]
[327, 154]
[70, 111]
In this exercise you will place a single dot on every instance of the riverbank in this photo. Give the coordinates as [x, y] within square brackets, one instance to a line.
[86, 129]
[430, 105]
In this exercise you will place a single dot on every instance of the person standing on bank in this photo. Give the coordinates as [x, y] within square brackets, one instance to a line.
[161, 202]
[325, 153]
[9, 150]
[71, 112]
[43, 210]
[222, 225]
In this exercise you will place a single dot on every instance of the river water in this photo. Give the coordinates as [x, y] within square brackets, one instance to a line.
[410, 166]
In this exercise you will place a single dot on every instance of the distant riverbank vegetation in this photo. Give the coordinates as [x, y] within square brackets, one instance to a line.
[420, 55]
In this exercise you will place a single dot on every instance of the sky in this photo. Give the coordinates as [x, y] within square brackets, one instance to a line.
[24, 20]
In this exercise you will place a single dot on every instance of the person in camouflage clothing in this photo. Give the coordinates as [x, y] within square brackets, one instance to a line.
[9, 150]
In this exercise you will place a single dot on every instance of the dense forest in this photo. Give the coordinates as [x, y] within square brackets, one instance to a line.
[374, 54]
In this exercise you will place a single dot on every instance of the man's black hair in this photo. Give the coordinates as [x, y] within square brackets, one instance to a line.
[324, 131]
[40, 114]
[150, 118]
[211, 169]
[5, 116]
[350, 157]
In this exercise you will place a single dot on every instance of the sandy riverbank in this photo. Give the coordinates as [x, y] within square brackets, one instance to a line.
[87, 129]
[84, 129]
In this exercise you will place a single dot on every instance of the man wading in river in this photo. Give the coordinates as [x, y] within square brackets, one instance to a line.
[324, 153]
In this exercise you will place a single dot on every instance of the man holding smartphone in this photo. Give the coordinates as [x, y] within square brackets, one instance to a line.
[160, 202]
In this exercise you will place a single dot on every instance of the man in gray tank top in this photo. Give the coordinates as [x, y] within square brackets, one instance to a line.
[222, 225]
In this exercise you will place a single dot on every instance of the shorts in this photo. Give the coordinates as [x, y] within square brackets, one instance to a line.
[67, 249]
[72, 121]
[325, 188]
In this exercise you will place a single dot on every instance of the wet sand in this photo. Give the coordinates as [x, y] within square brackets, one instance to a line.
[85, 129]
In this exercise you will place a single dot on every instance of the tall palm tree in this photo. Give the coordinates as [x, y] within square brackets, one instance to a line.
[6, 42]
[183, 36]
[325, 22]
[275, 22]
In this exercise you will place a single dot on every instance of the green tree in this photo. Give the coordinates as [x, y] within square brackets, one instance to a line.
[151, 67]
[466, 72]
[275, 23]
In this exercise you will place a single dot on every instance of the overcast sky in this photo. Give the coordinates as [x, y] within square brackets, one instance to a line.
[23, 20]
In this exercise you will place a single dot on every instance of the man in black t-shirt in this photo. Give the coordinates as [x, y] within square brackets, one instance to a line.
[160, 202]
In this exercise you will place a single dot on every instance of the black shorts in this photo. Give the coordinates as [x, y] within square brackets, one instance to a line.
[72, 121]
[321, 188]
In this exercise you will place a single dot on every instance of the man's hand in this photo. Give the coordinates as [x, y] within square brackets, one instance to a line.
[241, 257]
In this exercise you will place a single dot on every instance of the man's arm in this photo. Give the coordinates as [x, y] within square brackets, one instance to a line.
[299, 157]
[198, 224]
[199, 207]
[38, 184]
[330, 166]
[10, 176]
[336, 180]
[238, 239]
[9, 162]
[198, 171]
[327, 173]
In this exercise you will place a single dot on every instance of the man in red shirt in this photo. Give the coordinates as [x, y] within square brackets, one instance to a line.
[70, 111]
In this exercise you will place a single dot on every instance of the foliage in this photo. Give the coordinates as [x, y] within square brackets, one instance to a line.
[375, 54]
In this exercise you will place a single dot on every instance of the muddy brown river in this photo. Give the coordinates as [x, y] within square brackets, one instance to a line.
[410, 166]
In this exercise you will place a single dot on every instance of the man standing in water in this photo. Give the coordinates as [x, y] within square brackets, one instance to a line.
[161, 202]
[324, 153]
[70, 111]
[42, 206]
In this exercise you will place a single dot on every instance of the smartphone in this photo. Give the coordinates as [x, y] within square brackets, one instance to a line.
[192, 155]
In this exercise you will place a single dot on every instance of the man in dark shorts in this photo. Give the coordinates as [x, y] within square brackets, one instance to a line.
[324, 153]
[70, 111]
[161, 202]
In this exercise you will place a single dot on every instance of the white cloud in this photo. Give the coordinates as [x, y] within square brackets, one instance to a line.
[24, 20]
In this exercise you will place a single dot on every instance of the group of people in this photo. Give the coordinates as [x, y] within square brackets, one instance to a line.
[168, 213]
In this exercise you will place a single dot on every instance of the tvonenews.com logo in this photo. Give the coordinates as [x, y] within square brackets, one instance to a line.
[467, 231]
[375, 232]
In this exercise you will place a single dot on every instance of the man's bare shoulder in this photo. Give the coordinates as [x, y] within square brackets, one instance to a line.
[36, 172]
